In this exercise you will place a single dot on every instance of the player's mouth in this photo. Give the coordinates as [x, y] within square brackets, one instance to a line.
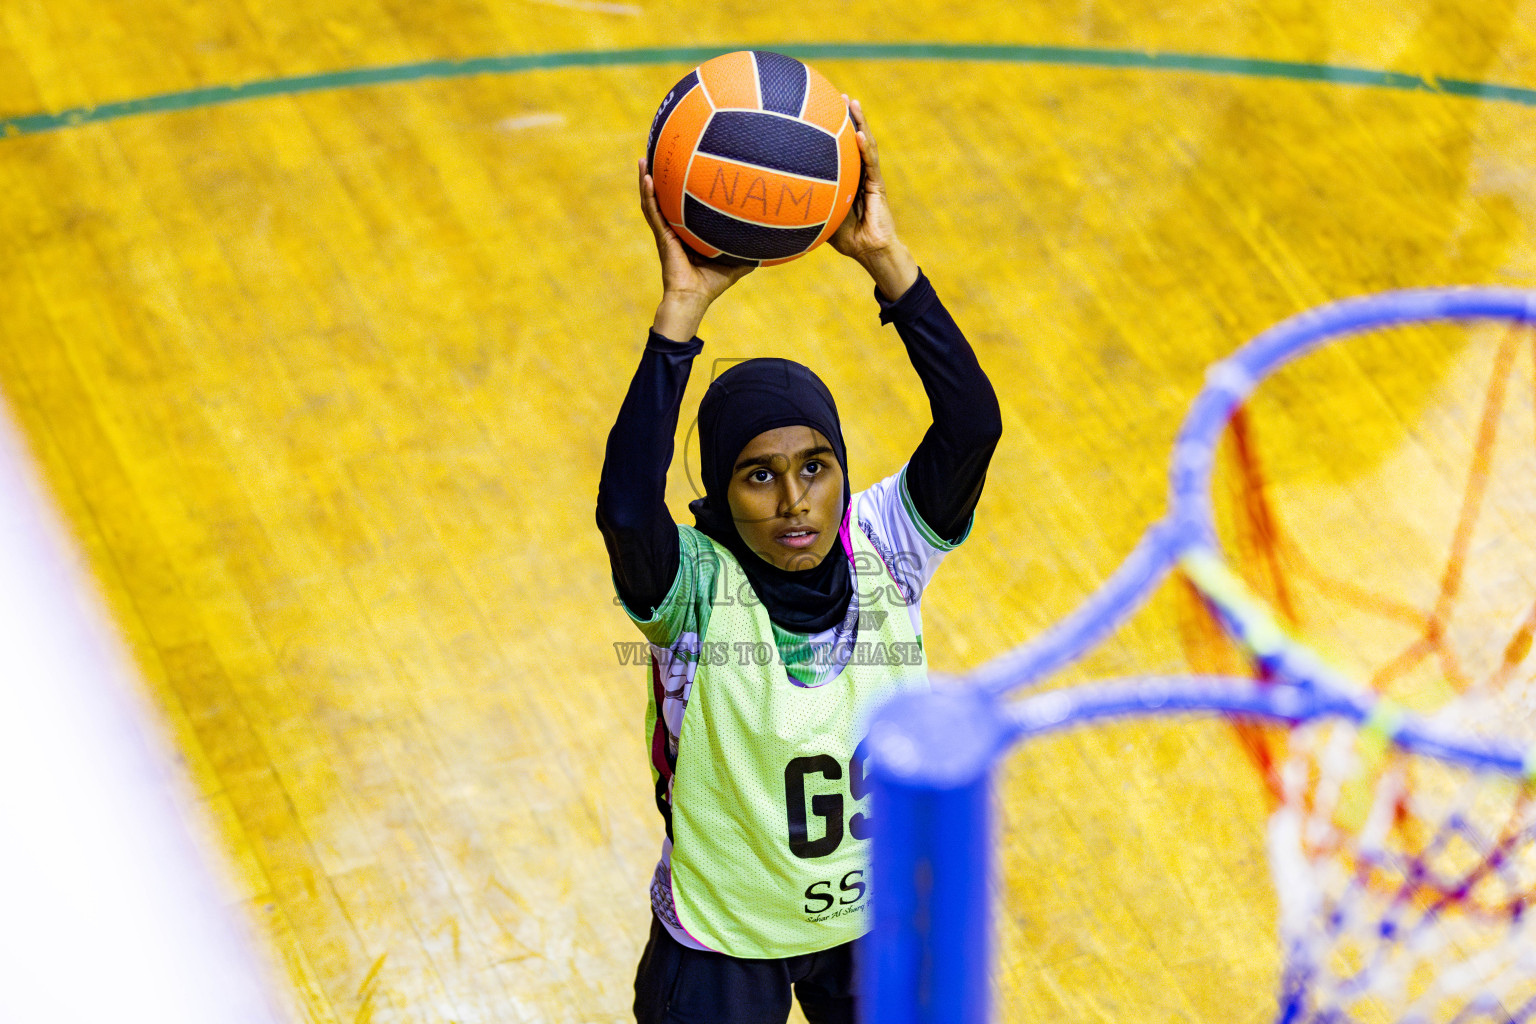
[798, 537]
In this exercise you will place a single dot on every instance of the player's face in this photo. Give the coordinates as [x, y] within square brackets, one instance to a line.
[786, 495]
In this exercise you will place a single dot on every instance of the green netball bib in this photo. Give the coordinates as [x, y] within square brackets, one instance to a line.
[770, 809]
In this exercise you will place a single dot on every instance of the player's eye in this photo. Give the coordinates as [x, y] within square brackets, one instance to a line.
[813, 467]
[759, 476]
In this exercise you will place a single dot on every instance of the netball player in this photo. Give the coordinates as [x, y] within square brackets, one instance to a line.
[777, 622]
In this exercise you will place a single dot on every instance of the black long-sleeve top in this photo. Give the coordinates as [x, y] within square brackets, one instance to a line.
[944, 475]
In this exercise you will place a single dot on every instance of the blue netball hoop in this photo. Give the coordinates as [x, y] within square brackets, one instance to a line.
[926, 960]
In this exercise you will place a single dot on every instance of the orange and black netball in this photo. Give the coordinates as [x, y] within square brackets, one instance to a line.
[754, 158]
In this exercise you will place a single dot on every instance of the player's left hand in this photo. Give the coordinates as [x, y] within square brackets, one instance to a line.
[869, 227]
[868, 233]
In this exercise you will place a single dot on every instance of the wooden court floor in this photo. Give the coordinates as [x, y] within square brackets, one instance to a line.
[320, 379]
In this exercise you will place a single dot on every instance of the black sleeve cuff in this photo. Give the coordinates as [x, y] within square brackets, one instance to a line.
[666, 346]
[914, 302]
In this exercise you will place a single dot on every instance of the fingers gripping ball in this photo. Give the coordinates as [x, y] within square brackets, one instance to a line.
[754, 158]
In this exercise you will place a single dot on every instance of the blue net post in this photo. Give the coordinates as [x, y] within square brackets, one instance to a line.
[927, 957]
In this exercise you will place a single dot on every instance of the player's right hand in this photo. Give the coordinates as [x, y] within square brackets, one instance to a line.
[685, 275]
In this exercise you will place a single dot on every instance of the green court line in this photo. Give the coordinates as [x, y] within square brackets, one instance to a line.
[31, 124]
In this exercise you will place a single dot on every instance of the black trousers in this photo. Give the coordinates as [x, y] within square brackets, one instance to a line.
[678, 985]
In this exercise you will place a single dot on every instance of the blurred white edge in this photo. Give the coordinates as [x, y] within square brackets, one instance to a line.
[114, 903]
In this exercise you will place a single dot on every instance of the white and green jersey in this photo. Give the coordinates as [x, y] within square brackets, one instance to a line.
[755, 737]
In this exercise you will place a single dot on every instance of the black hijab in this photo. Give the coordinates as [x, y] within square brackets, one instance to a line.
[749, 398]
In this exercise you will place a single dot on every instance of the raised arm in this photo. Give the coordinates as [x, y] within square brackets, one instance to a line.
[946, 473]
[631, 492]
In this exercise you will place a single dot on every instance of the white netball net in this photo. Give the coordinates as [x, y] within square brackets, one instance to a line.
[1405, 882]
